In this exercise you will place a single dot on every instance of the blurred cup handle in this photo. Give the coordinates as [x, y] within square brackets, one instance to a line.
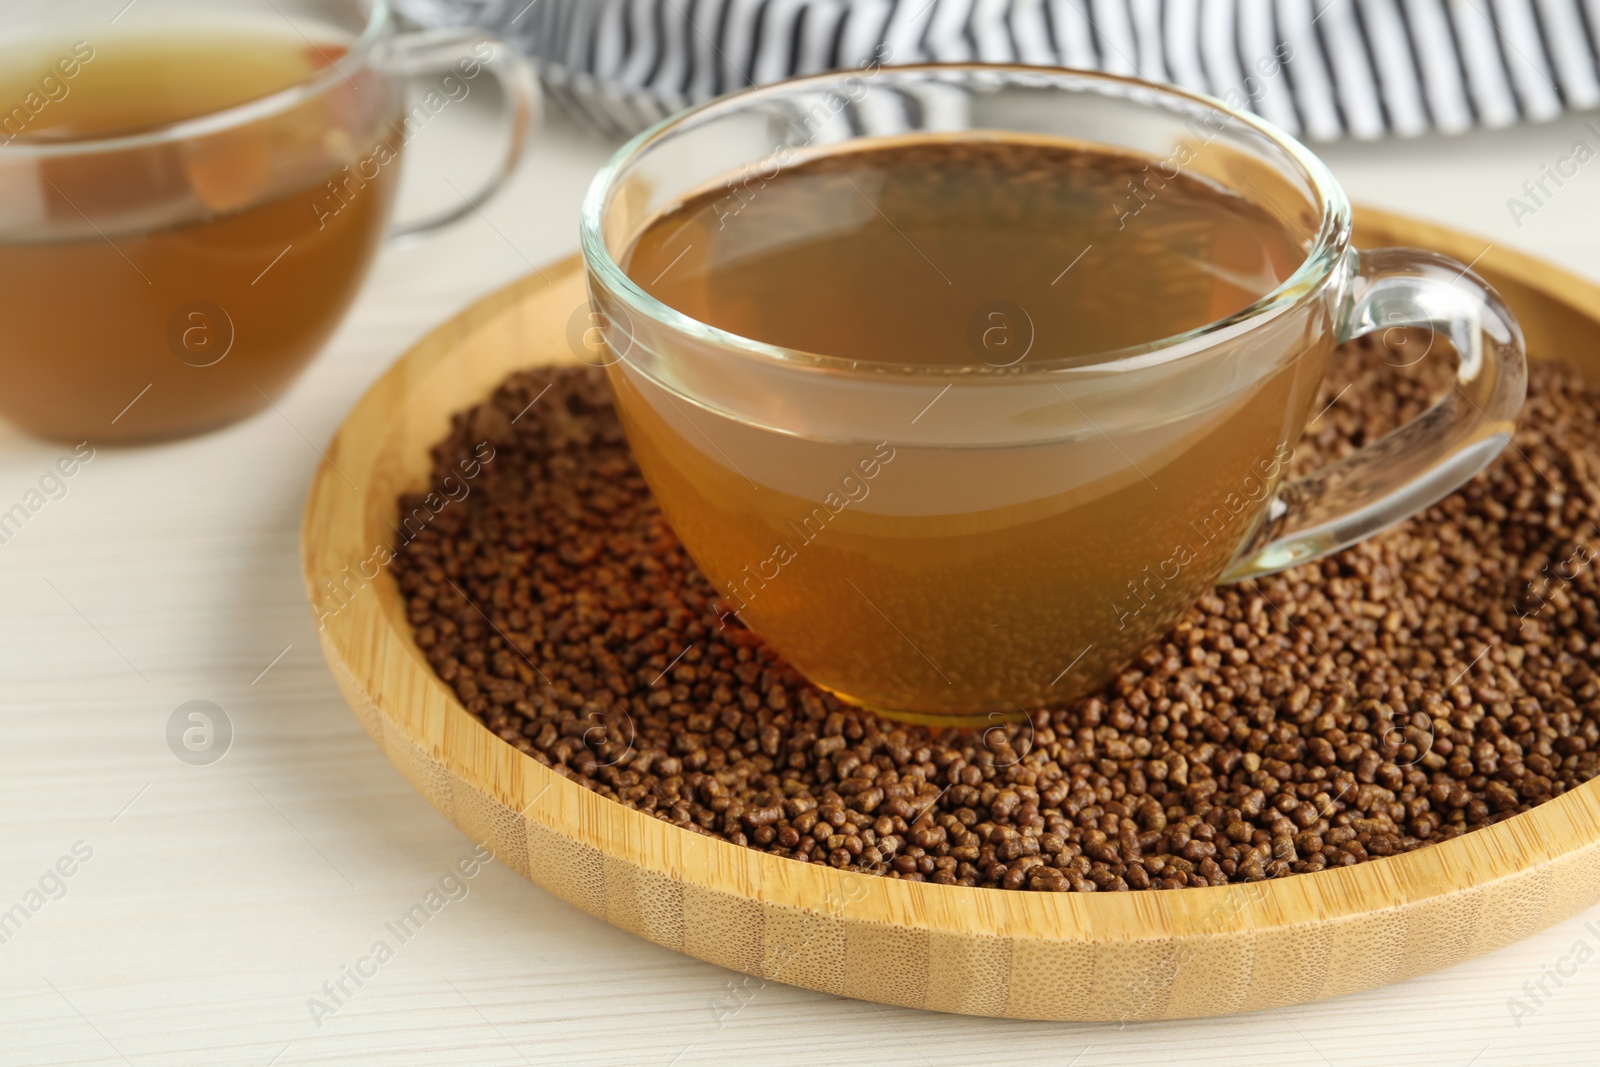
[444, 64]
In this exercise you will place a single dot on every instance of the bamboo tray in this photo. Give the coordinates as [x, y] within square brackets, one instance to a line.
[1141, 955]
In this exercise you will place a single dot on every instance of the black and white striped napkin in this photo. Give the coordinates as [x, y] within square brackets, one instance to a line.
[1321, 69]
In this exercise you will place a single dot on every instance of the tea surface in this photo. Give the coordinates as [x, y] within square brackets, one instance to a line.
[964, 252]
[124, 83]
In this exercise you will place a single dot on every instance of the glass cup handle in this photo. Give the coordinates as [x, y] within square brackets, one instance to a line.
[458, 53]
[1423, 461]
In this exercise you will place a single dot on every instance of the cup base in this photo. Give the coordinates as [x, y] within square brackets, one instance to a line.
[935, 719]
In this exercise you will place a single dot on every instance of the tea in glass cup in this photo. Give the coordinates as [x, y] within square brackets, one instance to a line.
[962, 407]
[191, 194]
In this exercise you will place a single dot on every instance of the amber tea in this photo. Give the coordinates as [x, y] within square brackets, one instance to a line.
[963, 253]
[160, 285]
[920, 577]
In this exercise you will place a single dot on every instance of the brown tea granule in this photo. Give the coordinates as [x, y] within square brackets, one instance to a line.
[1433, 679]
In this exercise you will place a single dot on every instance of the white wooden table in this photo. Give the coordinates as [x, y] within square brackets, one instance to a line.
[219, 899]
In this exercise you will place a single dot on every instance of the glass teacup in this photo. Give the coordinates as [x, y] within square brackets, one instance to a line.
[191, 193]
[1018, 543]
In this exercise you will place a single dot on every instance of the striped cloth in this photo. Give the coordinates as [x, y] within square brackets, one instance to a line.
[1321, 69]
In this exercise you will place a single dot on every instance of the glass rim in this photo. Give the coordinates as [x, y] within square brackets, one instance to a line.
[378, 21]
[1325, 252]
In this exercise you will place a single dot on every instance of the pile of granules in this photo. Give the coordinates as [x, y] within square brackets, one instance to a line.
[1433, 679]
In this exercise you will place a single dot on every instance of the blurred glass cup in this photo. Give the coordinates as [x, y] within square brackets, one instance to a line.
[191, 192]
